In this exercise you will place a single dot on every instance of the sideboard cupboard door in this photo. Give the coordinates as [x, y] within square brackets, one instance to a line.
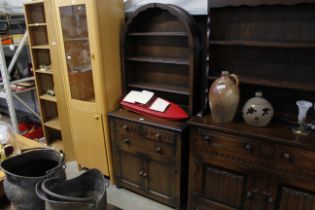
[89, 139]
[160, 179]
[294, 199]
[129, 169]
[217, 188]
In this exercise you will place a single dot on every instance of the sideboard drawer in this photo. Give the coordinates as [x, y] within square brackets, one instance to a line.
[145, 131]
[237, 145]
[133, 143]
[296, 158]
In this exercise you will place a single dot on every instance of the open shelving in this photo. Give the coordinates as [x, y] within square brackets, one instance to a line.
[41, 55]
[161, 55]
[271, 49]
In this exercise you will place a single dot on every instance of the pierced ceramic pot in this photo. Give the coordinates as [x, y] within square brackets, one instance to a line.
[257, 111]
[224, 97]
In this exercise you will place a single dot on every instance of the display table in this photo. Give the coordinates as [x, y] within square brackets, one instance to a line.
[23, 143]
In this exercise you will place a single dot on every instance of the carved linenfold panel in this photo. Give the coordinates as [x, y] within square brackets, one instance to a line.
[216, 183]
[296, 200]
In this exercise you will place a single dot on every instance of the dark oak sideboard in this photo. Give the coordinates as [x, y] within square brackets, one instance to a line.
[150, 156]
[236, 166]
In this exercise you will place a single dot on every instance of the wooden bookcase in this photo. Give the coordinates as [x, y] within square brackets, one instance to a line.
[161, 48]
[55, 123]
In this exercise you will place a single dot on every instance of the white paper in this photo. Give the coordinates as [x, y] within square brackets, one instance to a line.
[159, 105]
[144, 97]
[132, 96]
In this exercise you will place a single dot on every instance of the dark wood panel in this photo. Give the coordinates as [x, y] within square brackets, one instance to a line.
[277, 23]
[292, 199]
[161, 181]
[130, 169]
[224, 187]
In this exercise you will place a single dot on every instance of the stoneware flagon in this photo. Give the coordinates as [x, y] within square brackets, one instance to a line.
[224, 97]
[257, 111]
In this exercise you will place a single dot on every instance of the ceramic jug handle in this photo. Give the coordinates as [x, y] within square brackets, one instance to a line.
[235, 78]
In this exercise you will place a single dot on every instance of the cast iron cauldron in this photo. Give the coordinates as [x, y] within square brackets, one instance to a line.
[24, 171]
[87, 191]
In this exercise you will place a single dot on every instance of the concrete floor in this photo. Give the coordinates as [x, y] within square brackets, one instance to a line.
[127, 200]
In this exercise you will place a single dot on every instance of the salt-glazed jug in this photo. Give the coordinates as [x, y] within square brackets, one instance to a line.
[257, 111]
[224, 96]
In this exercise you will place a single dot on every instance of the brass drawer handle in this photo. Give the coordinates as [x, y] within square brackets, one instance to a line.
[157, 135]
[141, 173]
[158, 149]
[126, 141]
[287, 156]
[125, 126]
[144, 174]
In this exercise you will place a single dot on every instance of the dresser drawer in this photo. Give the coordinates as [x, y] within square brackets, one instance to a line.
[237, 145]
[295, 158]
[135, 143]
[145, 131]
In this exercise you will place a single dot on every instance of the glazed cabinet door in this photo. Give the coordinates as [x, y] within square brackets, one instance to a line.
[89, 139]
[296, 199]
[130, 170]
[160, 180]
[77, 32]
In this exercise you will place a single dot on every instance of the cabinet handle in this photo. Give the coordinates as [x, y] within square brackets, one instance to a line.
[287, 156]
[207, 139]
[141, 173]
[158, 149]
[249, 147]
[126, 141]
[144, 174]
[157, 135]
[125, 127]
[96, 117]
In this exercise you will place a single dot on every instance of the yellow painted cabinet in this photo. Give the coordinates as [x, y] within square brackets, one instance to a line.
[89, 139]
[89, 32]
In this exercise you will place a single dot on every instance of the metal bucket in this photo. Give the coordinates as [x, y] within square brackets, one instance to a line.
[24, 171]
[87, 191]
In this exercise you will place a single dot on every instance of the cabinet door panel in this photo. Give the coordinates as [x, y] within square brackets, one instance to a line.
[220, 188]
[161, 181]
[130, 169]
[292, 199]
[88, 137]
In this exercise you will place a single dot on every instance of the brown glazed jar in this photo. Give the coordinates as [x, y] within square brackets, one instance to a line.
[224, 97]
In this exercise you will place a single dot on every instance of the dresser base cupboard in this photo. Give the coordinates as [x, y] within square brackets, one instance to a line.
[238, 167]
[150, 156]
[88, 35]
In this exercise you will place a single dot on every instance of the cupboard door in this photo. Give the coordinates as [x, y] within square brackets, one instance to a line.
[160, 179]
[217, 188]
[294, 199]
[130, 170]
[88, 137]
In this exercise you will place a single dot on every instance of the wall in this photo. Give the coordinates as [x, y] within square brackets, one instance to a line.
[194, 7]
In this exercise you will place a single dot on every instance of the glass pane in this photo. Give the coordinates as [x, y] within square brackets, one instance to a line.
[77, 50]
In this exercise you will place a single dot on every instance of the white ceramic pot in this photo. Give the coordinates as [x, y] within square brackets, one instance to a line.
[257, 111]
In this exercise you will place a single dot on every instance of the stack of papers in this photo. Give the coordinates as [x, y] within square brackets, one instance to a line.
[142, 97]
